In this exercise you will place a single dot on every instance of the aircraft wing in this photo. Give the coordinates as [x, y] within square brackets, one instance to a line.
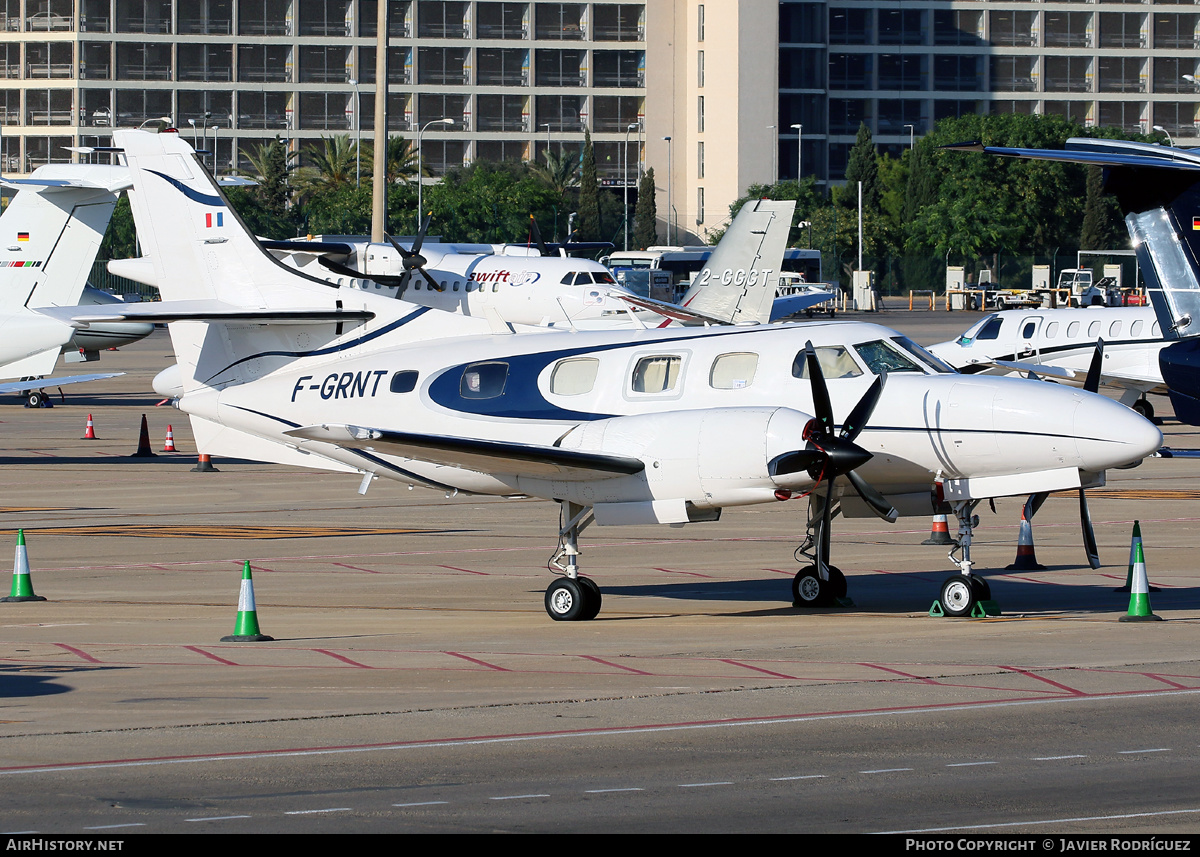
[39, 383]
[674, 312]
[487, 456]
[162, 312]
[786, 305]
[1109, 379]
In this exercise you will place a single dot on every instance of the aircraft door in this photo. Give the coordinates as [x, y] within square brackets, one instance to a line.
[1028, 339]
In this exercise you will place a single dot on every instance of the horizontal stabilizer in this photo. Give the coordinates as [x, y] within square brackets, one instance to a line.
[39, 383]
[489, 456]
[202, 310]
[674, 312]
[787, 305]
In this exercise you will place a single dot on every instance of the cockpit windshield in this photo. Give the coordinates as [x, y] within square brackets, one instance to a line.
[988, 328]
[924, 355]
[882, 355]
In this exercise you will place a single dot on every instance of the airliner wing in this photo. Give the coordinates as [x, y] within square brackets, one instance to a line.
[487, 456]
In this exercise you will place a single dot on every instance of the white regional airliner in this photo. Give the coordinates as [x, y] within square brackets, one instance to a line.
[618, 427]
[1059, 343]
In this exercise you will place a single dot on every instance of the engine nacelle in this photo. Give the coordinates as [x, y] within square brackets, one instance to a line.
[706, 458]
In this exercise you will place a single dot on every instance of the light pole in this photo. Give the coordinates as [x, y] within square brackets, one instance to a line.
[546, 125]
[1170, 142]
[216, 165]
[799, 152]
[420, 168]
[669, 171]
[774, 154]
[912, 135]
[625, 175]
[357, 138]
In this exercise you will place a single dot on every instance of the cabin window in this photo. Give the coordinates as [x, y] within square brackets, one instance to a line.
[657, 374]
[483, 380]
[1156, 331]
[574, 377]
[1114, 329]
[1135, 329]
[1073, 330]
[1094, 330]
[881, 356]
[733, 371]
[1029, 330]
[404, 381]
[1052, 330]
[835, 362]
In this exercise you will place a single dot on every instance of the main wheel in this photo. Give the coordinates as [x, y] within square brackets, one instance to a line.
[809, 590]
[591, 597]
[566, 600]
[35, 399]
[1143, 407]
[958, 595]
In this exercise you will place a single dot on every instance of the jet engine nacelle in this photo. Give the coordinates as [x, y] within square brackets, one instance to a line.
[695, 461]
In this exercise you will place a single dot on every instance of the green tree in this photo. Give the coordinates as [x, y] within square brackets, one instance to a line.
[332, 165]
[1100, 230]
[862, 166]
[120, 239]
[488, 202]
[804, 192]
[401, 161]
[645, 214]
[589, 226]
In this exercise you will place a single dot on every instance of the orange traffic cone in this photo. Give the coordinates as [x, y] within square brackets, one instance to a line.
[169, 446]
[204, 465]
[89, 433]
[1026, 559]
[940, 535]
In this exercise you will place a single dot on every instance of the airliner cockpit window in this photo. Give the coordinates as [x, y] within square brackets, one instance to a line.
[924, 355]
[988, 328]
[604, 277]
[882, 355]
[483, 380]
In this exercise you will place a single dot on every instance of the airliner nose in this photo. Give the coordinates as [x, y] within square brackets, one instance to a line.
[1112, 435]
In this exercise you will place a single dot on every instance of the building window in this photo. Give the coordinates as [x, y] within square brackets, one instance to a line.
[700, 162]
[700, 23]
[700, 114]
[700, 68]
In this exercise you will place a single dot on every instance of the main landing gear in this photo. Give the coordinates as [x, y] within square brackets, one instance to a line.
[965, 594]
[572, 597]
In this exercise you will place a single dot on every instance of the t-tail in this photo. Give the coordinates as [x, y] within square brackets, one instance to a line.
[1158, 188]
[51, 231]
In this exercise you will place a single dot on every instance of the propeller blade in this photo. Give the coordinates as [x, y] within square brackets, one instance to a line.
[822, 409]
[416, 249]
[1034, 503]
[1089, 535]
[432, 282]
[347, 271]
[873, 498]
[858, 417]
[1092, 383]
[408, 257]
[537, 236]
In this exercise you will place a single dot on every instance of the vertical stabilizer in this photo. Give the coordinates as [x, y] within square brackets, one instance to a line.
[739, 281]
[50, 232]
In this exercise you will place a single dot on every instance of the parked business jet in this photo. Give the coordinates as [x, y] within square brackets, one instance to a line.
[1059, 344]
[1158, 187]
[49, 235]
[618, 427]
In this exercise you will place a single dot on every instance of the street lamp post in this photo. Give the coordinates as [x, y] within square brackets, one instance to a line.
[1170, 142]
[670, 207]
[421, 169]
[912, 135]
[357, 138]
[774, 154]
[799, 152]
[216, 165]
[625, 175]
[546, 125]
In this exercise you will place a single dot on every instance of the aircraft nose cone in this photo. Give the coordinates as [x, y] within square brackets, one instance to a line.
[1112, 435]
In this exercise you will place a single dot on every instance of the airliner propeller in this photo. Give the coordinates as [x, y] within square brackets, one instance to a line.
[1091, 384]
[413, 260]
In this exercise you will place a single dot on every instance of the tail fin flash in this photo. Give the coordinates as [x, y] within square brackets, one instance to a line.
[50, 232]
[738, 282]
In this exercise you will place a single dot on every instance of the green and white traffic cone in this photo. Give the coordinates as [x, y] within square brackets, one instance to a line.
[1134, 544]
[246, 629]
[1139, 594]
[22, 586]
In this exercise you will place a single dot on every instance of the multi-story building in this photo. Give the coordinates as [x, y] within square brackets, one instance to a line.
[513, 76]
[746, 90]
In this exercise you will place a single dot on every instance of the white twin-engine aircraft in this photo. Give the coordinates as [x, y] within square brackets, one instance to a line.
[1059, 344]
[619, 426]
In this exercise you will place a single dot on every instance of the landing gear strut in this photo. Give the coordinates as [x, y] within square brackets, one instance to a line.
[572, 597]
[962, 592]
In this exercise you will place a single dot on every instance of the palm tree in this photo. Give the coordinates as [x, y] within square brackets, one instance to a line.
[334, 165]
[272, 166]
[401, 161]
[560, 173]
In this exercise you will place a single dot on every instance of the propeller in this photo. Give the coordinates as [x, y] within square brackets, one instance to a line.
[347, 271]
[1092, 385]
[827, 455]
[537, 236]
[413, 260]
